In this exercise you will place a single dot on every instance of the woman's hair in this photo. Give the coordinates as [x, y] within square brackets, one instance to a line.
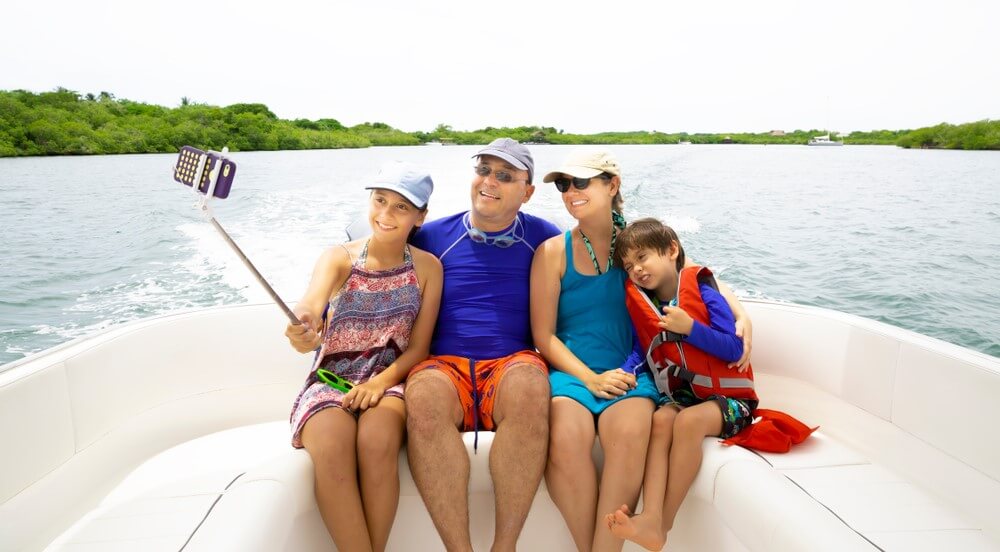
[617, 203]
[647, 233]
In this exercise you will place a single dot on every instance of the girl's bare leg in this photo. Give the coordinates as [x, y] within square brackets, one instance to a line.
[330, 437]
[381, 430]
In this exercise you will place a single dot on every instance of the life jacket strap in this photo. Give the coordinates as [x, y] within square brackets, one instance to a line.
[681, 371]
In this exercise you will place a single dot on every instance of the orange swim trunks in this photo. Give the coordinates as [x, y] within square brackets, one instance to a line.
[488, 374]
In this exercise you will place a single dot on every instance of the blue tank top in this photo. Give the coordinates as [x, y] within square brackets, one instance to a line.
[592, 319]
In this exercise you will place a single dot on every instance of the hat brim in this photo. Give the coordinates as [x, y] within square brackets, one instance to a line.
[405, 193]
[505, 156]
[572, 170]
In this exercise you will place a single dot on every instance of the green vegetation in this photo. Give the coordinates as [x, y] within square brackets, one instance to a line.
[981, 135]
[64, 122]
[549, 135]
[875, 137]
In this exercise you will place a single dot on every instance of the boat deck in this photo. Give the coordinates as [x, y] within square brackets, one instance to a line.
[130, 441]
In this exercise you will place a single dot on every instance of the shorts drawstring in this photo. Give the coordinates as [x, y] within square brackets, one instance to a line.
[475, 406]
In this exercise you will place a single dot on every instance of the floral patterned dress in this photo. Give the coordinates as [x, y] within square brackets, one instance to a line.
[368, 327]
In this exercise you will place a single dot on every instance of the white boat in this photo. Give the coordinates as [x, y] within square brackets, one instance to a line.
[824, 140]
[171, 434]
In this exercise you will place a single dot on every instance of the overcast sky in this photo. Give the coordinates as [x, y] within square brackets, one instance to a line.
[695, 66]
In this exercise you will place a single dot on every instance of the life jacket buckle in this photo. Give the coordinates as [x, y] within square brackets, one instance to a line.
[668, 336]
[681, 372]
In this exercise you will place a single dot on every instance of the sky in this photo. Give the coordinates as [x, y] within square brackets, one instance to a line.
[579, 66]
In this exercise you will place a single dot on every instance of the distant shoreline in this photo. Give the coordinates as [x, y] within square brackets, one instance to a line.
[64, 122]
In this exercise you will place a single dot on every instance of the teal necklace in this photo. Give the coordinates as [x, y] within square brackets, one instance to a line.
[617, 221]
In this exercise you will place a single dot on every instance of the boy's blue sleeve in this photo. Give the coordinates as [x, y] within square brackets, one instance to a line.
[719, 340]
[635, 361]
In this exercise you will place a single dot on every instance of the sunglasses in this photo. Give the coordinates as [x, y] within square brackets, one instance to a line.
[563, 182]
[502, 176]
[333, 380]
[503, 242]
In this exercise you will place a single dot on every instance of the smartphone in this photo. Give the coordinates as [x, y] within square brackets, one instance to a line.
[224, 170]
[187, 165]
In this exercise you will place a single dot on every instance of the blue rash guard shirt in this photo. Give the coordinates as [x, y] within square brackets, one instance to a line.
[485, 298]
[720, 339]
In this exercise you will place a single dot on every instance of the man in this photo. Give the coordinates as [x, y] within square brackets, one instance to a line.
[483, 373]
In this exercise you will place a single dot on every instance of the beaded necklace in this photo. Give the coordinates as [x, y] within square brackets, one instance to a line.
[617, 222]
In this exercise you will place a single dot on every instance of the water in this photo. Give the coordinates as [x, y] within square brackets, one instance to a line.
[911, 238]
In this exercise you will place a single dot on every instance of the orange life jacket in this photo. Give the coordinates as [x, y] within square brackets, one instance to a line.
[674, 362]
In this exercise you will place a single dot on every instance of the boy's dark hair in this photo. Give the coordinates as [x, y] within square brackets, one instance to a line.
[647, 233]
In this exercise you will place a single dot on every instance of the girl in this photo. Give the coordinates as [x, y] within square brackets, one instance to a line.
[383, 298]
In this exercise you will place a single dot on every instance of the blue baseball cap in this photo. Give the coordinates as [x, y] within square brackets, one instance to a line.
[406, 180]
[513, 152]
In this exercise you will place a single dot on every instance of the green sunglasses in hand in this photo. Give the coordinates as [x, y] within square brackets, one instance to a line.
[334, 381]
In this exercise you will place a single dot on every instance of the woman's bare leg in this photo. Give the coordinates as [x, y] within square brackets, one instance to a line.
[624, 432]
[570, 473]
[645, 528]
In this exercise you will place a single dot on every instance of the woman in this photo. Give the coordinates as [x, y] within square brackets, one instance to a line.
[580, 325]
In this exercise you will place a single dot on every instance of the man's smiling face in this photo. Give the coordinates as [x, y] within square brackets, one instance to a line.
[495, 203]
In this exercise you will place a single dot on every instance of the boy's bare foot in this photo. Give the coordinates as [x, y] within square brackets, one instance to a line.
[640, 529]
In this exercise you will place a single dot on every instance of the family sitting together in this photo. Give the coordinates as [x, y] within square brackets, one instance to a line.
[494, 320]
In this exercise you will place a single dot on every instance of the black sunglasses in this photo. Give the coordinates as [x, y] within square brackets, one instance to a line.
[563, 182]
[502, 176]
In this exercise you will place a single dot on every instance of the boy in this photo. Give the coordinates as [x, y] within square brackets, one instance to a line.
[689, 332]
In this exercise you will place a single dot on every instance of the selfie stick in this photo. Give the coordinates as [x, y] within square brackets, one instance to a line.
[206, 211]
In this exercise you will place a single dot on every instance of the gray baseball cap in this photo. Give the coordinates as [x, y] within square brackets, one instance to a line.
[406, 180]
[513, 152]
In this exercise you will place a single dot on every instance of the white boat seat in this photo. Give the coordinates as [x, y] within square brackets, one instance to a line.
[905, 459]
[247, 489]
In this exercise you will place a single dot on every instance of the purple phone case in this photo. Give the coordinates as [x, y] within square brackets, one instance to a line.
[187, 164]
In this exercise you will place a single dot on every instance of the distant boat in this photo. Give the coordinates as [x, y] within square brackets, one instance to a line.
[824, 140]
[433, 144]
[684, 143]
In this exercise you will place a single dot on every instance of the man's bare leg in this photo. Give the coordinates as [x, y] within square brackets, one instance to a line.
[517, 455]
[438, 460]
